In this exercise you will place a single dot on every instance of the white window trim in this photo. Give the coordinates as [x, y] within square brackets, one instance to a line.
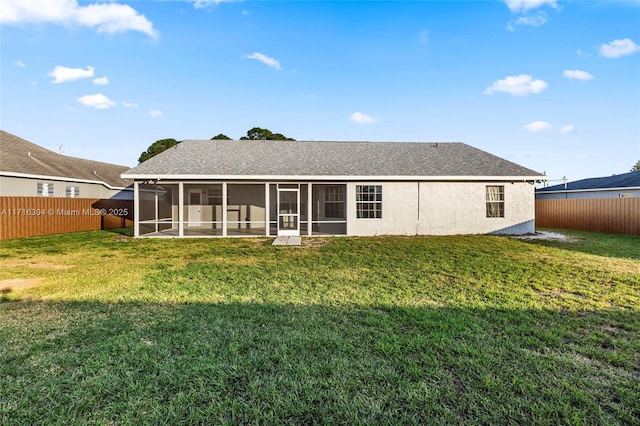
[373, 206]
[494, 195]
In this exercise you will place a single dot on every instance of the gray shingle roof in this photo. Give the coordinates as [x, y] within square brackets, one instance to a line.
[325, 159]
[15, 158]
[625, 180]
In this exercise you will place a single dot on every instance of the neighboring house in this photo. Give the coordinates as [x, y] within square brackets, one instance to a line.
[27, 169]
[617, 186]
[226, 188]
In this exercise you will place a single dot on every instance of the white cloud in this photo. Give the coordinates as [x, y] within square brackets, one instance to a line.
[100, 81]
[538, 126]
[569, 128]
[200, 4]
[129, 104]
[265, 60]
[523, 7]
[62, 74]
[618, 48]
[107, 18]
[423, 37]
[360, 118]
[97, 101]
[520, 6]
[577, 75]
[155, 113]
[19, 64]
[517, 85]
[532, 21]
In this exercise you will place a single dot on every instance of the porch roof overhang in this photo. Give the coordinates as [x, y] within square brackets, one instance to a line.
[346, 178]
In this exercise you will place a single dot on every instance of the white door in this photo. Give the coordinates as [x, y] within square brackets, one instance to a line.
[288, 211]
[195, 208]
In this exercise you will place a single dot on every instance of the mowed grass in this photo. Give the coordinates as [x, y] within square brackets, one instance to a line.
[100, 328]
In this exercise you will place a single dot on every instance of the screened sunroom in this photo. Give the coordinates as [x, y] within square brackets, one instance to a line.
[228, 209]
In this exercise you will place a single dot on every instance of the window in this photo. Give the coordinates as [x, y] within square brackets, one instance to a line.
[495, 201]
[73, 191]
[334, 201]
[45, 189]
[214, 196]
[369, 201]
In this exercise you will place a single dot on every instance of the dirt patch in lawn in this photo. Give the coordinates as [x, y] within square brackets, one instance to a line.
[314, 242]
[559, 293]
[16, 284]
[542, 236]
[39, 265]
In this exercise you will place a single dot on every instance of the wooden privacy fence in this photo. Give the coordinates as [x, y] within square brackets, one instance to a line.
[614, 215]
[31, 216]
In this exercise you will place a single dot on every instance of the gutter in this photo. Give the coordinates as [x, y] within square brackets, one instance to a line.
[65, 179]
[563, 191]
[136, 176]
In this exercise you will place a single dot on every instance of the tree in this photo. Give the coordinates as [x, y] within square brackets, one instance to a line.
[156, 148]
[636, 167]
[221, 136]
[259, 134]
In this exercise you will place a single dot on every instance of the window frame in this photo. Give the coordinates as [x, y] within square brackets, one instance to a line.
[334, 199]
[494, 199]
[40, 189]
[72, 191]
[368, 201]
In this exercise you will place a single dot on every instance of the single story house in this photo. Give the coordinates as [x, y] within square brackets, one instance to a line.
[616, 186]
[205, 188]
[27, 169]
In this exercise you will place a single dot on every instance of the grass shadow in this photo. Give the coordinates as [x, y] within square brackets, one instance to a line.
[391, 330]
[77, 362]
[125, 232]
[4, 295]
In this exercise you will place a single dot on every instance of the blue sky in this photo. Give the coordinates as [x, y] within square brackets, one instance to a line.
[553, 85]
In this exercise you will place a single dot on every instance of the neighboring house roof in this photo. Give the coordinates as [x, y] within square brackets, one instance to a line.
[268, 159]
[625, 180]
[21, 158]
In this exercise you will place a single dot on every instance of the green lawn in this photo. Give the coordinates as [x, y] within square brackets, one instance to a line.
[100, 328]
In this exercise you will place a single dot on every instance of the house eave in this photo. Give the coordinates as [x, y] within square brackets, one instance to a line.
[311, 178]
[66, 179]
[564, 191]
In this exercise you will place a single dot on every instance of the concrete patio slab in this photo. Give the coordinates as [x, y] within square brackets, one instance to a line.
[294, 241]
[287, 241]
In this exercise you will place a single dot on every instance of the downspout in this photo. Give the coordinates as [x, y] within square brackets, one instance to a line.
[418, 223]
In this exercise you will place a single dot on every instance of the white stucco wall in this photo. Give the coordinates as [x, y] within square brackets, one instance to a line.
[443, 208]
[460, 208]
[399, 210]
